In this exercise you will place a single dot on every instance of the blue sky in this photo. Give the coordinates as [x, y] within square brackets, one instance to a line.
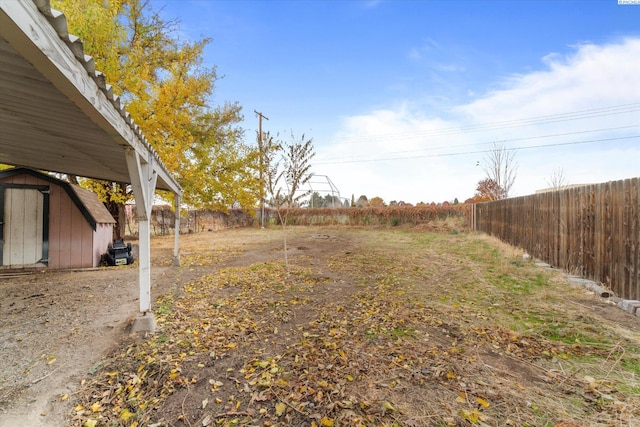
[403, 97]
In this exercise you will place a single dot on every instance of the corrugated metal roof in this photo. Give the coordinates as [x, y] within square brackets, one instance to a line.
[58, 21]
[57, 112]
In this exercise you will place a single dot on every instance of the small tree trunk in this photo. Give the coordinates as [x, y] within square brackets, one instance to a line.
[118, 213]
[286, 257]
[283, 221]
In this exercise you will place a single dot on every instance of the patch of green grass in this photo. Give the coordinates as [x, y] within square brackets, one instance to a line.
[557, 327]
[632, 365]
[481, 252]
[265, 266]
[520, 285]
[401, 332]
[425, 239]
[623, 388]
[563, 332]
[164, 307]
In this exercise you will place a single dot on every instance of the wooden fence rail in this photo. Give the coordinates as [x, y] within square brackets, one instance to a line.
[591, 230]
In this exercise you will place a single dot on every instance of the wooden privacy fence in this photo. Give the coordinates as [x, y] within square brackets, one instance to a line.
[592, 231]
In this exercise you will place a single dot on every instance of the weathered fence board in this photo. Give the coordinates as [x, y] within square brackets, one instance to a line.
[591, 230]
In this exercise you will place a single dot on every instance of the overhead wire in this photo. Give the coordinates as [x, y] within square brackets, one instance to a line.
[443, 147]
[505, 124]
[559, 144]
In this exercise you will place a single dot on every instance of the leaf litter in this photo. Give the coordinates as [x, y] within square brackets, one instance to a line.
[384, 328]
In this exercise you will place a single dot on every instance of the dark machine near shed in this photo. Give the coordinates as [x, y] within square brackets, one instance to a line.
[118, 253]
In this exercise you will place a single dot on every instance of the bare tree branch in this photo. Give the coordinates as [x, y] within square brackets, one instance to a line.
[295, 172]
[558, 179]
[501, 168]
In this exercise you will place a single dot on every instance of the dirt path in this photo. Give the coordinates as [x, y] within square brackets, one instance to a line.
[54, 328]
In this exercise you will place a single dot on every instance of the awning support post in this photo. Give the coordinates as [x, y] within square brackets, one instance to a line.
[176, 250]
[143, 182]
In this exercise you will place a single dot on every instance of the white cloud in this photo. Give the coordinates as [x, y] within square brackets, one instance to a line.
[370, 4]
[434, 56]
[415, 54]
[594, 76]
[595, 87]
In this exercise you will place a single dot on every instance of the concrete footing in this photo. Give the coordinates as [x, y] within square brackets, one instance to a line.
[630, 306]
[144, 323]
[591, 285]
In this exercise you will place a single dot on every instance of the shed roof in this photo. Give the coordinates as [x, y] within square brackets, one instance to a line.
[95, 207]
[87, 201]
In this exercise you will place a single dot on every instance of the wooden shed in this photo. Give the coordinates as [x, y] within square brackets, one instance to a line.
[50, 223]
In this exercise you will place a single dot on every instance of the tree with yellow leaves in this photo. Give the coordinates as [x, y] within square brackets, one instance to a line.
[166, 89]
[377, 202]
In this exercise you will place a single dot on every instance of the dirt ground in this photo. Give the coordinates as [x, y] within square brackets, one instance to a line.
[55, 327]
[58, 328]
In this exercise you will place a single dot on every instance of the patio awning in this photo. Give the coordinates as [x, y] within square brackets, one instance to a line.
[58, 114]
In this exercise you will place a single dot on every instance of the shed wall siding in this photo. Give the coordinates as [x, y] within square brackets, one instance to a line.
[102, 238]
[70, 235]
[54, 228]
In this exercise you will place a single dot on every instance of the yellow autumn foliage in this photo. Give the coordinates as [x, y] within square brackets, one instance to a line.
[166, 88]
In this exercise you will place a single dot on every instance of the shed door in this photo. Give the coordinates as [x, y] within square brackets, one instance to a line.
[23, 226]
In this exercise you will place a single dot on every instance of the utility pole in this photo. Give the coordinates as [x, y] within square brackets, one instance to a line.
[260, 117]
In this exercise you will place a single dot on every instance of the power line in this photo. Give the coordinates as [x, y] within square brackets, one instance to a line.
[477, 152]
[443, 147]
[584, 114]
[506, 124]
